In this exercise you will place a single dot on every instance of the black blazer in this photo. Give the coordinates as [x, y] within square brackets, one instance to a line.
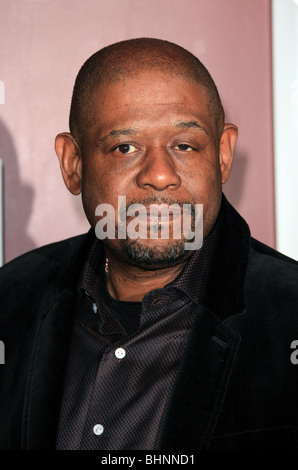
[236, 387]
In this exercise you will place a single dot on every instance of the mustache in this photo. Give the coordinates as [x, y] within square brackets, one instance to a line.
[158, 199]
[155, 199]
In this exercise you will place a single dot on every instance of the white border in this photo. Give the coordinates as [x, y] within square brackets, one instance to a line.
[285, 115]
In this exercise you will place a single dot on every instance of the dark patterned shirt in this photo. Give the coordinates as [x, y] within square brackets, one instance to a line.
[124, 358]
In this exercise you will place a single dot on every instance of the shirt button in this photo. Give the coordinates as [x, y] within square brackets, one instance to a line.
[98, 429]
[120, 353]
[94, 308]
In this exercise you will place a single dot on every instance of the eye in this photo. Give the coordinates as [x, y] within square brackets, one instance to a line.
[184, 148]
[126, 148]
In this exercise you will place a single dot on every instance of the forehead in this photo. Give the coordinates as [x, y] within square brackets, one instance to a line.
[150, 97]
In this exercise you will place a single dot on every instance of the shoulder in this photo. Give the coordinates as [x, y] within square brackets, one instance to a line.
[271, 275]
[45, 257]
[29, 284]
[26, 278]
[268, 260]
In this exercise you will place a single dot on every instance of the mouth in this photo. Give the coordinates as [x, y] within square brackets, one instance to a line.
[156, 215]
[166, 220]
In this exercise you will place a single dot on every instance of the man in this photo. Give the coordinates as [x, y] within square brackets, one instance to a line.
[139, 343]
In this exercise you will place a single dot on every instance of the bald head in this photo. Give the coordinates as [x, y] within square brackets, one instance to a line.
[128, 58]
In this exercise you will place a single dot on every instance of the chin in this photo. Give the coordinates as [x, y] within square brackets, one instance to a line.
[155, 256]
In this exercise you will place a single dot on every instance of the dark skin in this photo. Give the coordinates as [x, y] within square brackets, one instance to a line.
[166, 144]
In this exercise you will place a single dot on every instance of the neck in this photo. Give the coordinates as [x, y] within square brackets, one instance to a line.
[131, 283]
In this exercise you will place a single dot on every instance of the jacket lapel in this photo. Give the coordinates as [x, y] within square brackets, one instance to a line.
[48, 368]
[207, 363]
[48, 364]
[201, 384]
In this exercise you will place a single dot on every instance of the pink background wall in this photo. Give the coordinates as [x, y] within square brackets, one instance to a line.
[43, 44]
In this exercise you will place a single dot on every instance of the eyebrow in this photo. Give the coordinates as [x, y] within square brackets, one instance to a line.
[189, 125]
[132, 131]
[117, 132]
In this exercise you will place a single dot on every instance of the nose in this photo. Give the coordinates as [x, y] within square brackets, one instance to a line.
[158, 171]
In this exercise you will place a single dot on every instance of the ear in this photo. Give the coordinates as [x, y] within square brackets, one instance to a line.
[70, 159]
[226, 150]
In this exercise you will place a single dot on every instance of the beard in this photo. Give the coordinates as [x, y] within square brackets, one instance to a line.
[153, 257]
[152, 253]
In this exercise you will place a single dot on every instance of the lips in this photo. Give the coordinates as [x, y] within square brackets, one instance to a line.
[159, 213]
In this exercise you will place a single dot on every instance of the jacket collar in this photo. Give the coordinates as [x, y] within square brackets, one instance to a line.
[223, 292]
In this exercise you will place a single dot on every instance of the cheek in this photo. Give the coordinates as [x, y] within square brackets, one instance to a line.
[204, 183]
[212, 201]
[92, 192]
[100, 185]
[98, 182]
